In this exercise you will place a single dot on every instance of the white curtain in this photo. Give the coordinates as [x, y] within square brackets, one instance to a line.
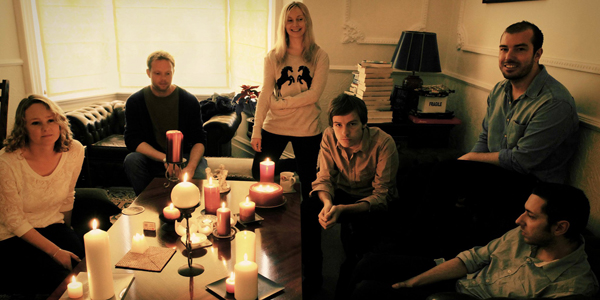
[102, 45]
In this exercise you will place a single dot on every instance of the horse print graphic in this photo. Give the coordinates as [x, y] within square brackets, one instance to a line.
[285, 77]
[304, 76]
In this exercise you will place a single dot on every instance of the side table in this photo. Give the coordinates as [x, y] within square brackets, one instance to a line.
[419, 132]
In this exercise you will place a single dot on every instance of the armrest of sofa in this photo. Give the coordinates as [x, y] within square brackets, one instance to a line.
[220, 129]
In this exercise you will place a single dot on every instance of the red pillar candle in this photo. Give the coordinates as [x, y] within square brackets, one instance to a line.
[230, 284]
[267, 171]
[247, 210]
[223, 224]
[212, 197]
[174, 150]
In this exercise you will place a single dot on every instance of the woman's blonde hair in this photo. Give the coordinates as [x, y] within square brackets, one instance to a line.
[18, 138]
[310, 47]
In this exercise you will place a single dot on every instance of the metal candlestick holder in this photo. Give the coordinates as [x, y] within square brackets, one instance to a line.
[189, 270]
[174, 176]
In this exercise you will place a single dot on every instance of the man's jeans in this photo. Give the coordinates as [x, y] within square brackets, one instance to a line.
[141, 169]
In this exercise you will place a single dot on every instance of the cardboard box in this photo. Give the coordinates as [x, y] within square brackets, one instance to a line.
[432, 104]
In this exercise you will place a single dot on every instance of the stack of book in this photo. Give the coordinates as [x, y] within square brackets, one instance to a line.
[373, 84]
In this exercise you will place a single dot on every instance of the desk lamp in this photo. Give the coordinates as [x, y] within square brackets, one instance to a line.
[416, 51]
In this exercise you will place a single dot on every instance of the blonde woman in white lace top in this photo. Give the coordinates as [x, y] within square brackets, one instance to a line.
[39, 167]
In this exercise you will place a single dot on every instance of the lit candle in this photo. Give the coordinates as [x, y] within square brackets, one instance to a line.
[223, 223]
[247, 210]
[230, 283]
[267, 171]
[99, 266]
[212, 197]
[75, 289]
[138, 244]
[170, 212]
[185, 194]
[266, 194]
[174, 150]
[246, 280]
[245, 246]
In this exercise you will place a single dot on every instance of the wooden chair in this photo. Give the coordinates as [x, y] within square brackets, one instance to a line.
[3, 111]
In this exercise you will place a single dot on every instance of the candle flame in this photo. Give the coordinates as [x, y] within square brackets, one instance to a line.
[94, 224]
[222, 204]
[232, 276]
[265, 188]
[245, 256]
[267, 159]
[247, 200]
[73, 280]
[184, 177]
[171, 206]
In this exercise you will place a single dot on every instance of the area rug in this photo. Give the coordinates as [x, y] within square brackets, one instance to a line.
[121, 197]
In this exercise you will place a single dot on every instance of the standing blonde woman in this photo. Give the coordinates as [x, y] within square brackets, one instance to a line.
[39, 166]
[288, 110]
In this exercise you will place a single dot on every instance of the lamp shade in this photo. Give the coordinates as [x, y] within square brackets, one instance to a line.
[417, 51]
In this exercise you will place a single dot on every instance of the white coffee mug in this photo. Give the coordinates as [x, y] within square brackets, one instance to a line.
[287, 181]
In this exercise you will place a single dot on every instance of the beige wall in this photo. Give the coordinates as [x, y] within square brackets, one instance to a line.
[11, 59]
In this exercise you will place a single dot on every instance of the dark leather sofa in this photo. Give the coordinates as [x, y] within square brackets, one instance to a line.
[100, 128]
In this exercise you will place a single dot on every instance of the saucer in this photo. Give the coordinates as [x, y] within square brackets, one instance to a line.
[274, 206]
[231, 233]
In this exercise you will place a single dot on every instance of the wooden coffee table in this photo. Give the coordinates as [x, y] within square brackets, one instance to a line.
[277, 237]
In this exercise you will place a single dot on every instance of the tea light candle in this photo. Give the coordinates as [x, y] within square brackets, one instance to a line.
[245, 246]
[267, 171]
[75, 289]
[247, 210]
[223, 223]
[230, 283]
[206, 230]
[212, 197]
[172, 213]
[246, 280]
[174, 150]
[99, 266]
[185, 194]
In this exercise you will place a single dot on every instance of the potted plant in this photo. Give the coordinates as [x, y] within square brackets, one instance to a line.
[246, 102]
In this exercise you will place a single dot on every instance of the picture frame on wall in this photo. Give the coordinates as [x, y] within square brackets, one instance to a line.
[501, 1]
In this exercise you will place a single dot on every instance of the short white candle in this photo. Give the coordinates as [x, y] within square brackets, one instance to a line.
[185, 194]
[245, 246]
[99, 266]
[138, 244]
[246, 280]
[75, 289]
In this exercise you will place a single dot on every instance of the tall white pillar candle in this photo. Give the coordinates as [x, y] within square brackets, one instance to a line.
[245, 244]
[246, 280]
[99, 266]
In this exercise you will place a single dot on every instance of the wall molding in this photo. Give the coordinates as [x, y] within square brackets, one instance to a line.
[12, 62]
[351, 33]
[586, 120]
[578, 66]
